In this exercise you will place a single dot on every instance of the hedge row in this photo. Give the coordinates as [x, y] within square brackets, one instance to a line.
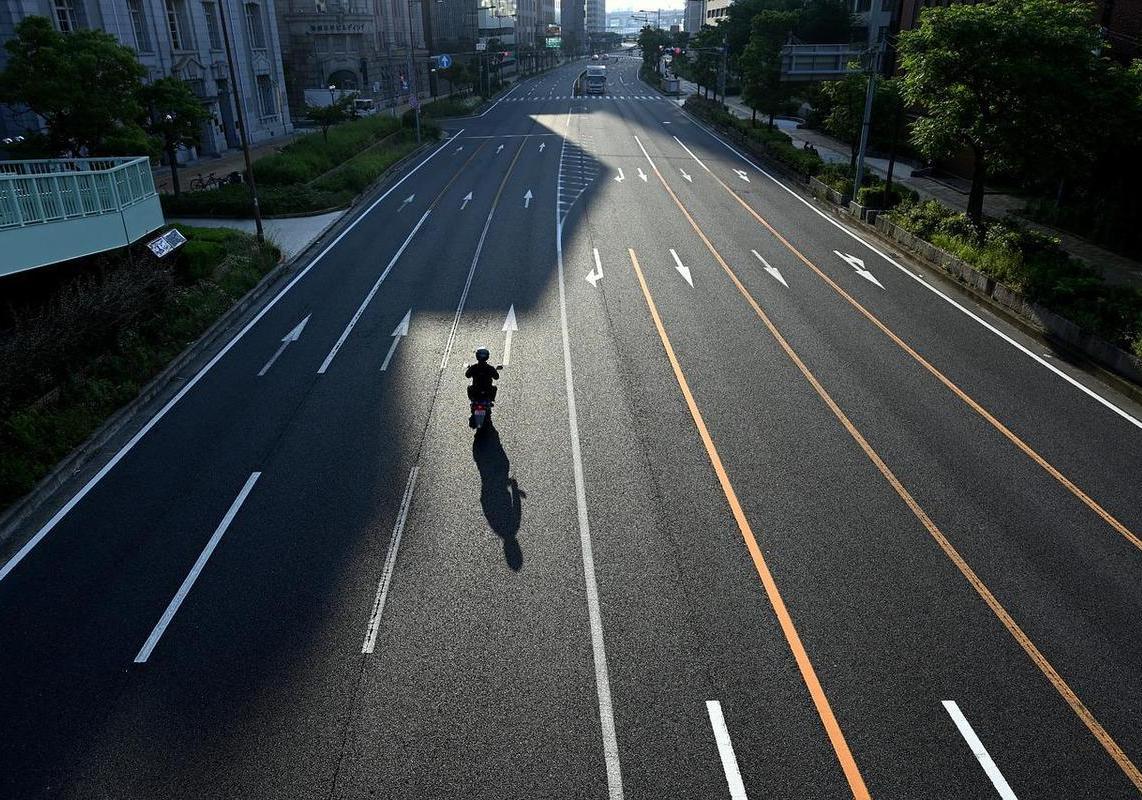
[1033, 265]
[762, 139]
[69, 363]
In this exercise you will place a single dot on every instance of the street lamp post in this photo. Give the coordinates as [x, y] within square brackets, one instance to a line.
[332, 100]
[238, 106]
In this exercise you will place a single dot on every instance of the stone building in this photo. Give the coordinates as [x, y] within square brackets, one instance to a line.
[182, 38]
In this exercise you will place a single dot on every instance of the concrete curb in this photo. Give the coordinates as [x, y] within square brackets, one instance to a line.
[42, 498]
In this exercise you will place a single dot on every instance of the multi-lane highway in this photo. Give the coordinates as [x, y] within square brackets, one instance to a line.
[767, 511]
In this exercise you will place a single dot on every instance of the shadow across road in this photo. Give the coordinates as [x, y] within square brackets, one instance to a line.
[500, 495]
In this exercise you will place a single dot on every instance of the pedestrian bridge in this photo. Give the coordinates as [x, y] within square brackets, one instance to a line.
[58, 209]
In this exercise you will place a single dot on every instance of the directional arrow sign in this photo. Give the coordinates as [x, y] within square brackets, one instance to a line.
[770, 269]
[685, 175]
[642, 174]
[467, 199]
[858, 265]
[683, 270]
[742, 175]
[400, 331]
[620, 177]
[508, 328]
[542, 145]
[407, 200]
[527, 199]
[287, 340]
[498, 149]
[595, 275]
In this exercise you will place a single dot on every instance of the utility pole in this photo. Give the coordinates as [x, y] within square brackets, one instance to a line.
[722, 67]
[413, 97]
[236, 91]
[866, 122]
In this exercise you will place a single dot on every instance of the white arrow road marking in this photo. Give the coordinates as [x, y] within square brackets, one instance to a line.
[467, 199]
[620, 177]
[369, 297]
[458, 149]
[979, 751]
[542, 145]
[685, 175]
[498, 149]
[858, 265]
[407, 200]
[287, 340]
[771, 270]
[527, 199]
[508, 328]
[742, 175]
[400, 331]
[596, 274]
[642, 174]
[683, 270]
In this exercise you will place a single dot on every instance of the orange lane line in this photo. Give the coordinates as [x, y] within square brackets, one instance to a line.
[1093, 505]
[808, 674]
[1061, 686]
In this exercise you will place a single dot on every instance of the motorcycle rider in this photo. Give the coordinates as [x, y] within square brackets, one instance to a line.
[482, 374]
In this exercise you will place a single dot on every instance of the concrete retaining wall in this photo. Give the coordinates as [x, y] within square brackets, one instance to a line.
[1060, 328]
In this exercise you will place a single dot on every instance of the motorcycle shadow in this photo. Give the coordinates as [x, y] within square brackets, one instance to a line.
[500, 495]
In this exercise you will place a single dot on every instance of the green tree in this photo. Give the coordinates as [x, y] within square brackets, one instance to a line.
[174, 116]
[84, 84]
[761, 62]
[326, 117]
[705, 54]
[845, 98]
[1007, 80]
[652, 41]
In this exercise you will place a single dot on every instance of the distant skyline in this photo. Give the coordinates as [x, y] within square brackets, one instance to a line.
[631, 5]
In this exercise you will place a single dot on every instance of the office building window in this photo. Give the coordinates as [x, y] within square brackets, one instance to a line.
[213, 27]
[254, 26]
[179, 25]
[66, 18]
[266, 101]
[139, 25]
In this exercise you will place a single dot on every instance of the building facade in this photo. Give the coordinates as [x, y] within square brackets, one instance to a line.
[183, 39]
[362, 46]
[573, 21]
[695, 16]
[595, 13]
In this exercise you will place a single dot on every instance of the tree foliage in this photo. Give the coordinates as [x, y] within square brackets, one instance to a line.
[326, 117]
[762, 88]
[1009, 80]
[84, 84]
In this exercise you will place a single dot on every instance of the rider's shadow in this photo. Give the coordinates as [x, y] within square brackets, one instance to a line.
[500, 495]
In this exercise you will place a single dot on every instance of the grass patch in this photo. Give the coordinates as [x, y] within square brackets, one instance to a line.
[761, 139]
[450, 107]
[69, 363]
[310, 174]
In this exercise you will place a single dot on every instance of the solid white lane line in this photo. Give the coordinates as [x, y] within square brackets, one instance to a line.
[188, 582]
[691, 154]
[476, 260]
[726, 750]
[947, 298]
[979, 751]
[369, 297]
[22, 553]
[390, 565]
[594, 614]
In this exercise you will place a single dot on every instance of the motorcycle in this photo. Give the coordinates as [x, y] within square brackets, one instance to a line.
[481, 403]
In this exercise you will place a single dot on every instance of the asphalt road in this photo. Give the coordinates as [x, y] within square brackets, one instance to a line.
[766, 511]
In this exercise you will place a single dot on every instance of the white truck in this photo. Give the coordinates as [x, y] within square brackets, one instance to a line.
[595, 79]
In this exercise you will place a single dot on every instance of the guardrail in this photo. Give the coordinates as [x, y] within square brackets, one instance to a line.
[53, 210]
[48, 190]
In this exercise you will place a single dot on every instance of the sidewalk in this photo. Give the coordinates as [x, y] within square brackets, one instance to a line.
[291, 234]
[1116, 269]
[230, 161]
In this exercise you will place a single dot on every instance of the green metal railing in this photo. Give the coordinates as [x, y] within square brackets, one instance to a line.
[50, 190]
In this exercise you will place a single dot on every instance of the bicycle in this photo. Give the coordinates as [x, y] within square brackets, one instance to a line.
[202, 184]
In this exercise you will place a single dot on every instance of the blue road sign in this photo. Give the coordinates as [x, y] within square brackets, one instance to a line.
[444, 61]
